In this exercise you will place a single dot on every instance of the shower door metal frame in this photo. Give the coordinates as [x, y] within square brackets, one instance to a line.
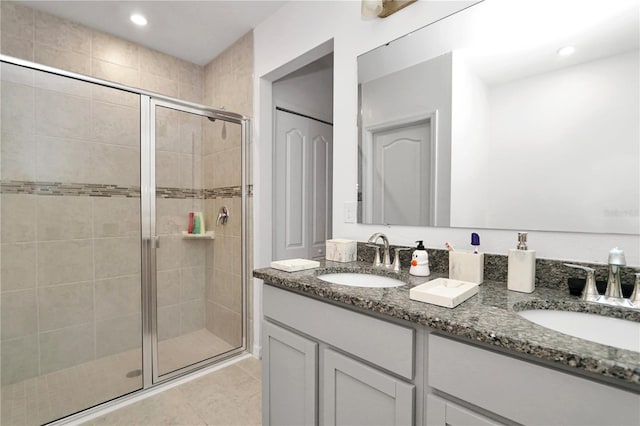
[150, 238]
[148, 235]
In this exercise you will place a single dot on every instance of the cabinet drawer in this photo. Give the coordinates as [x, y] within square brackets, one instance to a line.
[525, 392]
[383, 343]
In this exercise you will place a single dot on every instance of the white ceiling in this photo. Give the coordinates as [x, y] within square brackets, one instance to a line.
[196, 31]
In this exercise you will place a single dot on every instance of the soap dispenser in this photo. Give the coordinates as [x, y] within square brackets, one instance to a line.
[420, 261]
[521, 274]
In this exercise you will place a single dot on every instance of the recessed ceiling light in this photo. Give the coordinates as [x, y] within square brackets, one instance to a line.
[566, 51]
[138, 19]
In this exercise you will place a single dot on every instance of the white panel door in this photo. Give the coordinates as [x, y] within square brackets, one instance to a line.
[302, 186]
[401, 194]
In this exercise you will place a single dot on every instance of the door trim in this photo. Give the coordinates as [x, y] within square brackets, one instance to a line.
[367, 166]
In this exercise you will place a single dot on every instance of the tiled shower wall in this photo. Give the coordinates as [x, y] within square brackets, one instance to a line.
[100, 150]
[70, 223]
[40, 37]
[228, 83]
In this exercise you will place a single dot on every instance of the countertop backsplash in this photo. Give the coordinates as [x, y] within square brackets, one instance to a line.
[549, 272]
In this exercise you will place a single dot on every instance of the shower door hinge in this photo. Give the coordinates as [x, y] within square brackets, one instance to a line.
[155, 242]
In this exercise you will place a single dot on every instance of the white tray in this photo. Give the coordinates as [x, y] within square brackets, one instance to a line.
[293, 265]
[444, 292]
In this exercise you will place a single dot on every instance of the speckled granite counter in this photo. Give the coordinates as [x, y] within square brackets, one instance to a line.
[489, 317]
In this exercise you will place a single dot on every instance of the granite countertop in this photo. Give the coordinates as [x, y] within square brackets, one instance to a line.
[489, 317]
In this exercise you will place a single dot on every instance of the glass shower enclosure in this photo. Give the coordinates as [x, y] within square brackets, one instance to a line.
[104, 292]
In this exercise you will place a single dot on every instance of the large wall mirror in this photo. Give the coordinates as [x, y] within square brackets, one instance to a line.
[506, 115]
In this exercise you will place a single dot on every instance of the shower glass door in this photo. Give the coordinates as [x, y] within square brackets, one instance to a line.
[198, 279]
[71, 260]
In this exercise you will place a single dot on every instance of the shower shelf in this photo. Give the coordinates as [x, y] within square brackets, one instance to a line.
[209, 235]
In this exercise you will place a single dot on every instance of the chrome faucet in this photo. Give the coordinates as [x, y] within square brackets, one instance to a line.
[613, 295]
[616, 261]
[590, 292]
[387, 259]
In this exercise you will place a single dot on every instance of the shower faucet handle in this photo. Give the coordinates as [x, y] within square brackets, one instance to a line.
[223, 216]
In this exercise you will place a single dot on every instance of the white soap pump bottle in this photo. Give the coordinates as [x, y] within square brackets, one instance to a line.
[521, 273]
[420, 261]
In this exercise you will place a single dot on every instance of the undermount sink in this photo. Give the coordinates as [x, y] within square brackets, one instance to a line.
[361, 280]
[614, 332]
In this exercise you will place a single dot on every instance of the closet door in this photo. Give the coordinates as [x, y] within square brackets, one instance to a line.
[302, 186]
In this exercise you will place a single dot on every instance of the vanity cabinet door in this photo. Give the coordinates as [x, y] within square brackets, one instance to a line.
[289, 377]
[441, 412]
[356, 394]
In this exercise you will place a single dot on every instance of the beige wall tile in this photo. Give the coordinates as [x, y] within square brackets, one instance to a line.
[63, 59]
[18, 151]
[64, 218]
[115, 257]
[192, 281]
[18, 108]
[18, 266]
[18, 218]
[227, 290]
[192, 316]
[226, 324]
[190, 73]
[64, 160]
[171, 215]
[19, 314]
[190, 93]
[191, 171]
[168, 283]
[192, 253]
[19, 358]
[115, 96]
[167, 130]
[191, 133]
[115, 50]
[66, 347]
[68, 86]
[167, 169]
[17, 74]
[168, 323]
[118, 297]
[116, 165]
[158, 63]
[17, 20]
[157, 84]
[62, 115]
[65, 262]
[114, 124]
[168, 255]
[61, 33]
[65, 305]
[118, 335]
[116, 216]
[114, 72]
[17, 47]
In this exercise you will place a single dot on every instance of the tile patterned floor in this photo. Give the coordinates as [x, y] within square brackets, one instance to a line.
[46, 398]
[230, 396]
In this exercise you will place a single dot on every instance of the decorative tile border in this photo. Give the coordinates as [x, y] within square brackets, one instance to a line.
[105, 190]
[61, 189]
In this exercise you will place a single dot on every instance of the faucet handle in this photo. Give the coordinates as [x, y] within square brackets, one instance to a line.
[635, 296]
[376, 260]
[396, 257]
[590, 292]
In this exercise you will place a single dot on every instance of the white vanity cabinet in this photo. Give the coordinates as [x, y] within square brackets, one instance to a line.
[329, 365]
[323, 364]
[522, 391]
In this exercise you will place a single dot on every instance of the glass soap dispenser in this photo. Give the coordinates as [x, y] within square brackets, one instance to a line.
[521, 273]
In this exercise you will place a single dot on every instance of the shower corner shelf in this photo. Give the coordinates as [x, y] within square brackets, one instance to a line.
[209, 235]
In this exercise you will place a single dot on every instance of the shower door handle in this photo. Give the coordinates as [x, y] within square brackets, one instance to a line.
[155, 242]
